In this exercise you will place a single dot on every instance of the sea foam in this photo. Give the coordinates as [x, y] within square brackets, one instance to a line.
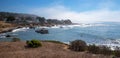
[20, 29]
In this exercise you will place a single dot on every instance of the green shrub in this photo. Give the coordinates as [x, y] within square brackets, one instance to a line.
[53, 41]
[99, 50]
[114, 56]
[15, 39]
[117, 53]
[105, 50]
[78, 45]
[33, 43]
[93, 49]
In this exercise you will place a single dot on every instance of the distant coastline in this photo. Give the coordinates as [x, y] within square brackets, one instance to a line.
[10, 21]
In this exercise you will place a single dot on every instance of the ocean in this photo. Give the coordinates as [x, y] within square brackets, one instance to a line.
[107, 33]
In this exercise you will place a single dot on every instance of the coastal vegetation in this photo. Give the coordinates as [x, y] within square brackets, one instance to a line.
[33, 43]
[79, 45]
[74, 49]
[53, 41]
[99, 50]
[49, 49]
[117, 53]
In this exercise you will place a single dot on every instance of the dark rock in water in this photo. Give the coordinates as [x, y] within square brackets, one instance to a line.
[32, 27]
[8, 35]
[42, 31]
[61, 26]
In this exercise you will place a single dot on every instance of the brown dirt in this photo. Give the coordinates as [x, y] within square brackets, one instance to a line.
[48, 50]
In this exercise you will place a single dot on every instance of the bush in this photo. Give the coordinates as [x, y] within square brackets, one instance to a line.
[15, 39]
[99, 50]
[93, 49]
[33, 43]
[78, 45]
[105, 50]
[117, 53]
[53, 41]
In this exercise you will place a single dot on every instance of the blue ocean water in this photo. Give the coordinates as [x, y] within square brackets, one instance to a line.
[99, 33]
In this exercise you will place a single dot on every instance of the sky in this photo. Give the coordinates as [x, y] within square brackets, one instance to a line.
[78, 11]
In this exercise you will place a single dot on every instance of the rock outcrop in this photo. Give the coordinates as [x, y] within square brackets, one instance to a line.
[42, 31]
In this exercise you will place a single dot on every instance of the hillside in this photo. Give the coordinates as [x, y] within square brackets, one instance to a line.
[48, 50]
[20, 18]
[5, 26]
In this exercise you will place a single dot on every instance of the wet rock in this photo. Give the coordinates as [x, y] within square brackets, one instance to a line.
[42, 31]
[8, 35]
[32, 27]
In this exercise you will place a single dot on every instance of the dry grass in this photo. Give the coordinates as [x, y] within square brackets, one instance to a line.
[48, 50]
[5, 26]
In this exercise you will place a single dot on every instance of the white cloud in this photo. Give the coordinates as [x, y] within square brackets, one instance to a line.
[61, 12]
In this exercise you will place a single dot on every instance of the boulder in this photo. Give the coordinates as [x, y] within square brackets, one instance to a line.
[8, 35]
[42, 31]
[32, 27]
